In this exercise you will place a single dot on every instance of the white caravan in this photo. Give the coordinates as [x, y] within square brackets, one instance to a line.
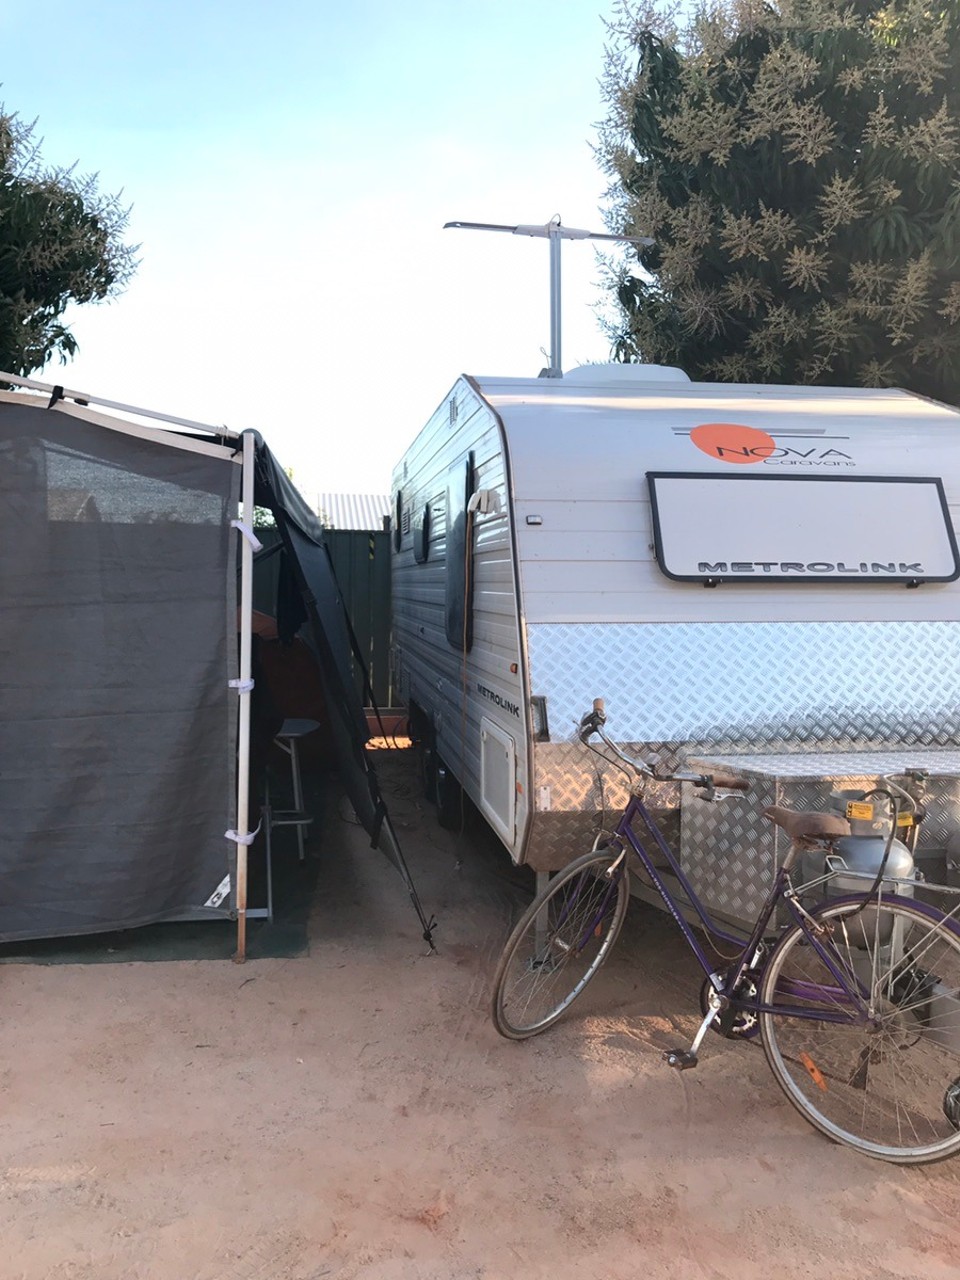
[758, 572]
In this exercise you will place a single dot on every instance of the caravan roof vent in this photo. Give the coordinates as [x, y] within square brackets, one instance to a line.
[625, 373]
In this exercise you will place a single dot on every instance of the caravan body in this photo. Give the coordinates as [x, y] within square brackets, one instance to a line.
[734, 569]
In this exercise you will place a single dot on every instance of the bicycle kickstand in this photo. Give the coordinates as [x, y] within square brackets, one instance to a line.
[684, 1059]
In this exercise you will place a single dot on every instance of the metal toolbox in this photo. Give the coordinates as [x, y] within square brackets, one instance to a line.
[730, 852]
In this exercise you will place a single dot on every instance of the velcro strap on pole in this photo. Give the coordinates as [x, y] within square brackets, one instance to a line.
[242, 686]
[247, 839]
[248, 533]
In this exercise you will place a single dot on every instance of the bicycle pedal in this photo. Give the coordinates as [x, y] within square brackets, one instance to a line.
[680, 1059]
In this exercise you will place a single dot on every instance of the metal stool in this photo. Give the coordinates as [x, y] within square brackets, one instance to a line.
[290, 732]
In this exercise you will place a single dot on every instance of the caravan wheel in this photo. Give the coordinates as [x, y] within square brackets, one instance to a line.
[449, 798]
[428, 771]
[424, 738]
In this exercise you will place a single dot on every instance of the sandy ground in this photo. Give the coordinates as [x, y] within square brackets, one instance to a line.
[354, 1114]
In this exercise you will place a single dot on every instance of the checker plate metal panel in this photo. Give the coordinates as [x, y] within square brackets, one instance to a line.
[730, 852]
[577, 795]
[670, 689]
[839, 764]
[757, 685]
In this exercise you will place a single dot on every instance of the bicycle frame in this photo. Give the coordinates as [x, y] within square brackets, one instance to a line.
[849, 988]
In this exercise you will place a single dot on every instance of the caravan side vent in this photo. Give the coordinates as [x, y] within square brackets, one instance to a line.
[454, 410]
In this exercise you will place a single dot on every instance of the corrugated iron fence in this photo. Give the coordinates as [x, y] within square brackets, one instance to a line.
[361, 562]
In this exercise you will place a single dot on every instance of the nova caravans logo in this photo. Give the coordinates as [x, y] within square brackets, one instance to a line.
[746, 446]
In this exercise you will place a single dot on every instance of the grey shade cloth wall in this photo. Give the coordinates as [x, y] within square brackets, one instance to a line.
[117, 639]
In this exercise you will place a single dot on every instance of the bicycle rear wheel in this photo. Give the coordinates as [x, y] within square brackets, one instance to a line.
[879, 1069]
[559, 943]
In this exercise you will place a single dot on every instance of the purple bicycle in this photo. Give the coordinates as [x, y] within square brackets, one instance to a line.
[856, 1000]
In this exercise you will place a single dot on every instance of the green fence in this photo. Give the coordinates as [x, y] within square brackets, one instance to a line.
[361, 562]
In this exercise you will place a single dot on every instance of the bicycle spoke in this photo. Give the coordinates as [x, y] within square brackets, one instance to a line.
[880, 1083]
[558, 945]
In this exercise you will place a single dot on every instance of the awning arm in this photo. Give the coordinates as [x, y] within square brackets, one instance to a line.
[58, 392]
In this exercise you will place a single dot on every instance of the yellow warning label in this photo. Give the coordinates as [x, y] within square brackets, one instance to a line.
[904, 819]
[860, 810]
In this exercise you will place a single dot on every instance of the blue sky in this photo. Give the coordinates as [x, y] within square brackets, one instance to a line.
[290, 167]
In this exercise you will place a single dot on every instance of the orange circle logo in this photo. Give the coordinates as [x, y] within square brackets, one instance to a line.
[732, 442]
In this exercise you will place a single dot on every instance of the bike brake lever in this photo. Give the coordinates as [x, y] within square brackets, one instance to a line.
[588, 727]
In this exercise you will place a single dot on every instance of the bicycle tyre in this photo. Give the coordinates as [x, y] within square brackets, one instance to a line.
[889, 1087]
[558, 944]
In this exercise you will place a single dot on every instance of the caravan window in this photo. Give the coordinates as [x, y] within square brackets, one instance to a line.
[421, 534]
[459, 556]
[721, 528]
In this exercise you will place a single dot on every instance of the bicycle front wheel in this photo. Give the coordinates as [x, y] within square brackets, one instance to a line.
[559, 943]
[866, 1038]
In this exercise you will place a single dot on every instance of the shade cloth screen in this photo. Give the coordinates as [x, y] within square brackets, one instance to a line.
[117, 640]
[309, 601]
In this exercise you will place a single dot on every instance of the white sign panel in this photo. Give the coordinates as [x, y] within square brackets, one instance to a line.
[721, 528]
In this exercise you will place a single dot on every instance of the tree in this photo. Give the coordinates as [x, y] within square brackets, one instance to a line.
[798, 165]
[60, 243]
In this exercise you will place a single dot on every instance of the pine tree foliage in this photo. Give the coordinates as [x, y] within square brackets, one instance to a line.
[798, 166]
[60, 243]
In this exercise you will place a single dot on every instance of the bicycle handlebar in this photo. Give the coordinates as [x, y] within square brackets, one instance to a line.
[593, 722]
[728, 781]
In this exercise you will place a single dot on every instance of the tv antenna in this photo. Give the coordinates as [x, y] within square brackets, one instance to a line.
[554, 231]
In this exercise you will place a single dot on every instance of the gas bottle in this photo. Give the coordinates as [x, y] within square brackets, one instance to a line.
[871, 820]
[862, 857]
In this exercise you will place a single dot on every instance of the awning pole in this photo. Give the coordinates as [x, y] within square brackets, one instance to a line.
[243, 741]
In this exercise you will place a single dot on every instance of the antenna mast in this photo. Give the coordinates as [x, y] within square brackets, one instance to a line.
[553, 231]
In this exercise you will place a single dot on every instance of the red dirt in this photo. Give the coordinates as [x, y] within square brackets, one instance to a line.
[353, 1114]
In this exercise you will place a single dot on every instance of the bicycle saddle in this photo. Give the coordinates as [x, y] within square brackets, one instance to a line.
[804, 825]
